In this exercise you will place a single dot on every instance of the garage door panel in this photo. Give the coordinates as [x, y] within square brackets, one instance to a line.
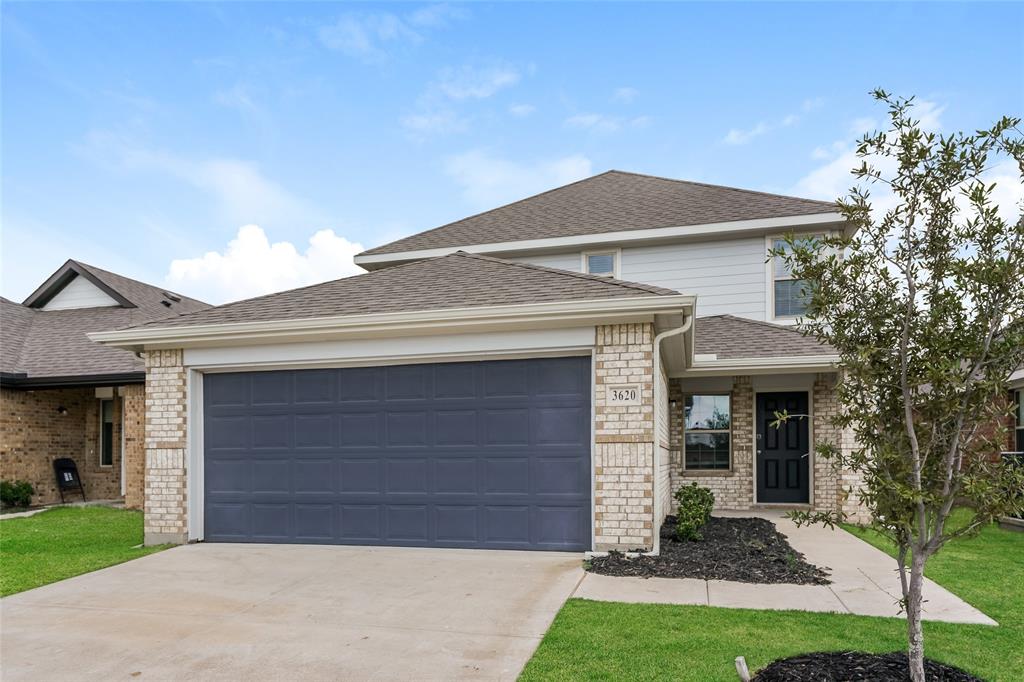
[271, 432]
[315, 431]
[406, 522]
[360, 475]
[406, 429]
[360, 429]
[476, 454]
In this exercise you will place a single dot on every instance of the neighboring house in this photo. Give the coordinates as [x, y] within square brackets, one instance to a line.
[538, 376]
[63, 395]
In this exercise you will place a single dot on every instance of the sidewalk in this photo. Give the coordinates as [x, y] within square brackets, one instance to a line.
[864, 582]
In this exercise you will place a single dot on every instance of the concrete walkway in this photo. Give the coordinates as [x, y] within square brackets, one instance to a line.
[864, 582]
[290, 612]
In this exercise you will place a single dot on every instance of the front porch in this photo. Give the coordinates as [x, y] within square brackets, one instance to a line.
[100, 428]
[721, 437]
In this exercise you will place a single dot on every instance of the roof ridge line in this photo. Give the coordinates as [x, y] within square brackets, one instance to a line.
[491, 210]
[729, 187]
[579, 275]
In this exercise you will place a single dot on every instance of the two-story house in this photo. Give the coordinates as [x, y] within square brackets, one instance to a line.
[539, 376]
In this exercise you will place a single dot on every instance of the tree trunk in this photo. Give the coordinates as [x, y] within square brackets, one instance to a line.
[915, 635]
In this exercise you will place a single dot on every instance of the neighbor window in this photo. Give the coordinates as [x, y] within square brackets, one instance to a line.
[706, 436]
[602, 264]
[791, 295]
[106, 433]
[1019, 422]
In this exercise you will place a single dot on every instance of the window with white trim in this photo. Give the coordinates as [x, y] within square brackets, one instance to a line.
[790, 296]
[601, 263]
[707, 432]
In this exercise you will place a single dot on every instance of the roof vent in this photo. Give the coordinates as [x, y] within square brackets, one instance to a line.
[173, 297]
[166, 304]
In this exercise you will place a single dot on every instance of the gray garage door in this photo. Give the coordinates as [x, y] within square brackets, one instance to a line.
[474, 454]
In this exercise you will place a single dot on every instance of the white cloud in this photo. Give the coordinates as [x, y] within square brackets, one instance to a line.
[434, 122]
[737, 136]
[602, 123]
[369, 36]
[521, 110]
[476, 82]
[251, 265]
[812, 104]
[625, 94]
[241, 190]
[488, 181]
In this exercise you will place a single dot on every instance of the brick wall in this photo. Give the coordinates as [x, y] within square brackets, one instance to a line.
[33, 434]
[134, 398]
[624, 439]
[165, 439]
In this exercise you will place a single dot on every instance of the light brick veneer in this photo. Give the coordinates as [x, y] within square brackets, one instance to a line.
[624, 439]
[166, 435]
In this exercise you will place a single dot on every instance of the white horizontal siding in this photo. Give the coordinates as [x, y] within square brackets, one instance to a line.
[79, 293]
[727, 275]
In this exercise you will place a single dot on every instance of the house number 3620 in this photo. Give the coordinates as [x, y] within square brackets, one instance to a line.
[623, 395]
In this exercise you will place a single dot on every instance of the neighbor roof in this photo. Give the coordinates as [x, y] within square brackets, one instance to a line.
[610, 202]
[39, 346]
[458, 280]
[731, 337]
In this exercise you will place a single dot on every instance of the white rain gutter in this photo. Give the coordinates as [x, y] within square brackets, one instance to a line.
[660, 404]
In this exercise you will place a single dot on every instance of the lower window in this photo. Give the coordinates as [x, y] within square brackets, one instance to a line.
[106, 433]
[707, 435]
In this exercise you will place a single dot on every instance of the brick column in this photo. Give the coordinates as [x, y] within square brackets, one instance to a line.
[166, 435]
[834, 487]
[134, 401]
[624, 439]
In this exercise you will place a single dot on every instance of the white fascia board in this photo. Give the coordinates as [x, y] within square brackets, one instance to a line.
[411, 323]
[795, 364]
[1017, 379]
[369, 261]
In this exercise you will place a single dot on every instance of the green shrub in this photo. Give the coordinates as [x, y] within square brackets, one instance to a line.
[694, 510]
[15, 493]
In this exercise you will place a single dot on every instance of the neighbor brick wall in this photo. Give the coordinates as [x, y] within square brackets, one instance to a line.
[134, 445]
[624, 439]
[166, 434]
[33, 434]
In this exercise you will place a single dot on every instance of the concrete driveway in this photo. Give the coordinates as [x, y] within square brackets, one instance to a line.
[280, 612]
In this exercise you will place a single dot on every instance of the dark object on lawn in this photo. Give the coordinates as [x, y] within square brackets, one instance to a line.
[694, 510]
[15, 493]
[855, 666]
[67, 476]
[746, 550]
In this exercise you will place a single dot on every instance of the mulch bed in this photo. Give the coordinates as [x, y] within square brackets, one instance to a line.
[855, 666]
[746, 550]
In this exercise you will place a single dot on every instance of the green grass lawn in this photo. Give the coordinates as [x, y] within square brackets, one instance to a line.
[611, 641]
[64, 542]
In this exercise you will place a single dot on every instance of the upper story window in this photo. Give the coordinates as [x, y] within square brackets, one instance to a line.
[601, 263]
[790, 296]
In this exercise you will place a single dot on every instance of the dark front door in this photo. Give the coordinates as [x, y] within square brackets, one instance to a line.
[472, 454]
[783, 452]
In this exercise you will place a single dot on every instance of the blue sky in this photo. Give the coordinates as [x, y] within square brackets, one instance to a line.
[143, 137]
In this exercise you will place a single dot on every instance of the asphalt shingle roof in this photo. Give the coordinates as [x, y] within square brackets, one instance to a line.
[458, 280]
[732, 337]
[610, 202]
[53, 343]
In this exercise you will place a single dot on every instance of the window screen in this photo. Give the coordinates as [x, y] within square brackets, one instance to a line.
[707, 435]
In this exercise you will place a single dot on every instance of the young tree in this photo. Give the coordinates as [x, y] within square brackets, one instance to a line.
[924, 305]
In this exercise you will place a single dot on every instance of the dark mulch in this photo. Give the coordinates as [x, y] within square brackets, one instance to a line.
[855, 666]
[743, 550]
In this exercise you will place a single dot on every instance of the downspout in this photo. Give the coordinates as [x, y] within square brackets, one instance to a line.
[660, 403]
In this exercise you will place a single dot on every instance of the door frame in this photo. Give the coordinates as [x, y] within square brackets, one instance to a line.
[195, 459]
[810, 443]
